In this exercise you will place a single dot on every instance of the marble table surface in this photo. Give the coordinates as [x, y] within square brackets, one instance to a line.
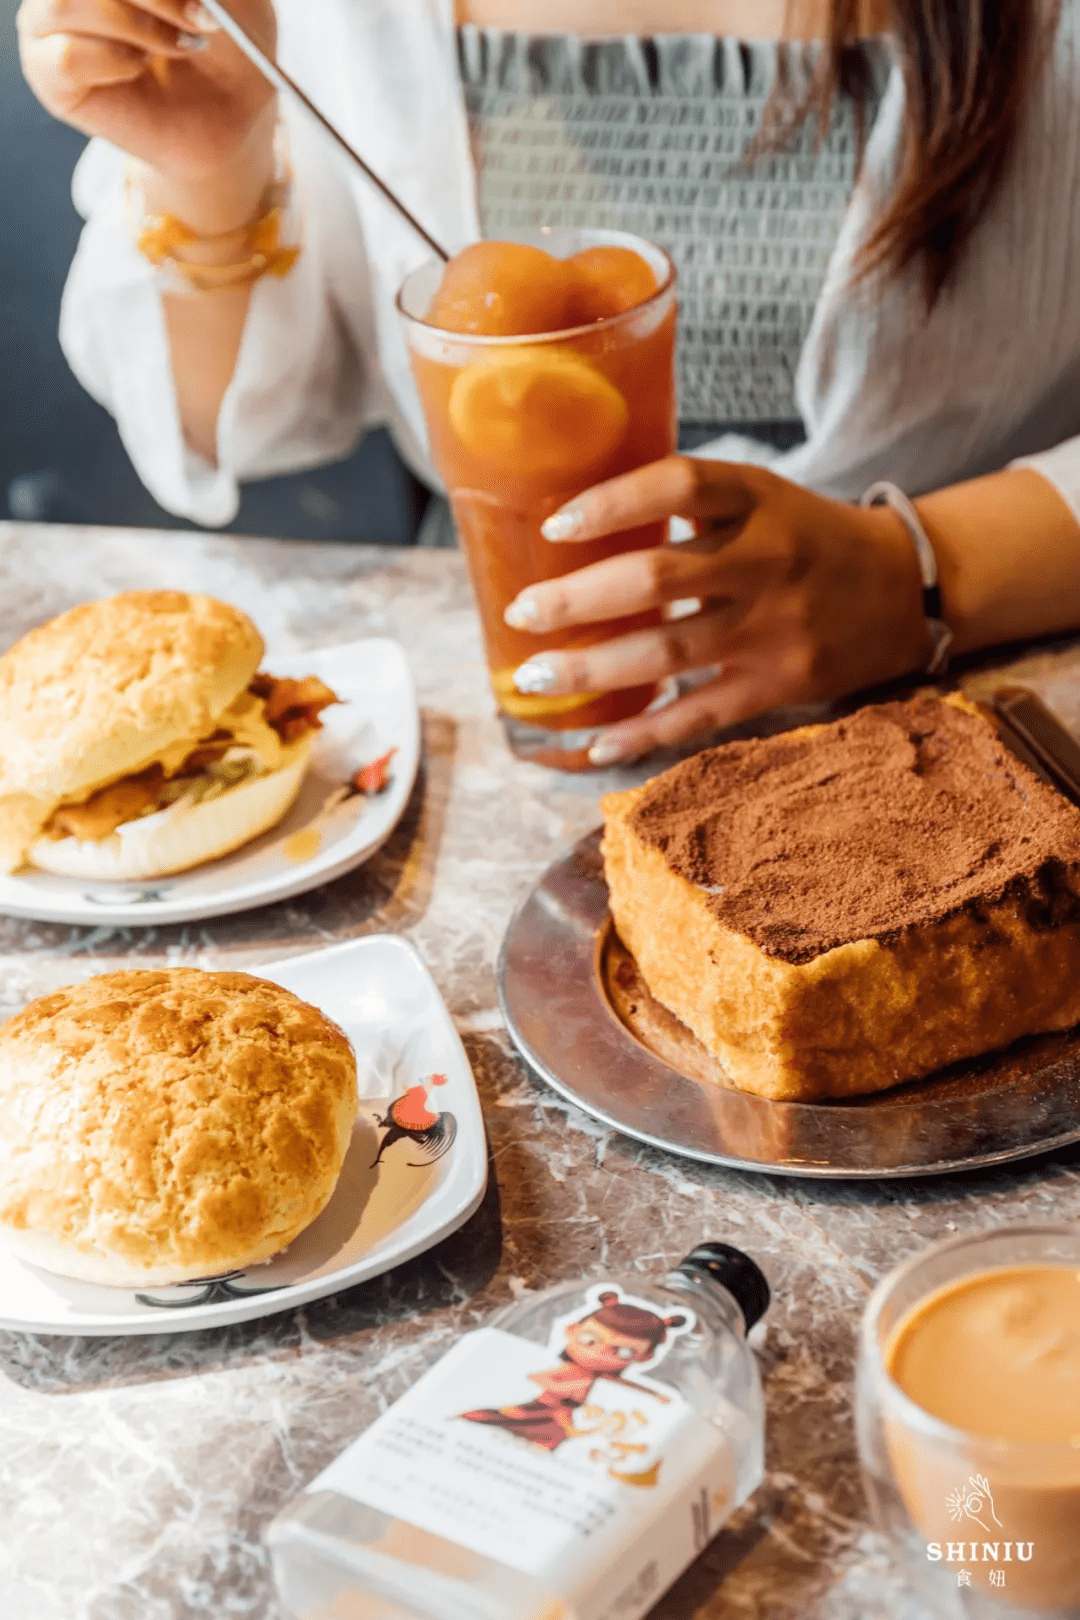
[136, 1474]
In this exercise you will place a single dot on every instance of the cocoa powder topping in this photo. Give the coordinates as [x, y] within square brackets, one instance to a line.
[900, 815]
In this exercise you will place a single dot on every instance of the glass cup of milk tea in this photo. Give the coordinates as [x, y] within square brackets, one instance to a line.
[969, 1422]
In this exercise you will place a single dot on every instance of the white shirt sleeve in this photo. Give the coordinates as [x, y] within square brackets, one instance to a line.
[1060, 467]
[302, 390]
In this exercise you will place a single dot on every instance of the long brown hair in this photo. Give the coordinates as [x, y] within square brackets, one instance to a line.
[969, 68]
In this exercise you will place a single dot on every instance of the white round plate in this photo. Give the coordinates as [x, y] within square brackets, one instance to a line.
[323, 835]
[423, 1187]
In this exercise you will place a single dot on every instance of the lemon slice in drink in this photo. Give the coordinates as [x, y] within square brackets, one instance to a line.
[537, 410]
[534, 706]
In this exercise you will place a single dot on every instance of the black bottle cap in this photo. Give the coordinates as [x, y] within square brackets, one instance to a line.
[735, 1271]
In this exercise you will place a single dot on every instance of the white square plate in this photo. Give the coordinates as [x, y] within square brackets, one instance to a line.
[425, 1185]
[321, 837]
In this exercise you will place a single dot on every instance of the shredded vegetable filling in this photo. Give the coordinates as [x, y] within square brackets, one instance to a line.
[253, 737]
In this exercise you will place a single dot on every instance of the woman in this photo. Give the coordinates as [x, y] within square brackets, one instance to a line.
[924, 327]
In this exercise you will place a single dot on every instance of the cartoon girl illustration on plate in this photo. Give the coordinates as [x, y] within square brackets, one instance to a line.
[604, 1344]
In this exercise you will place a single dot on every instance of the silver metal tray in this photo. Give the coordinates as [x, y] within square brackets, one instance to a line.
[579, 1014]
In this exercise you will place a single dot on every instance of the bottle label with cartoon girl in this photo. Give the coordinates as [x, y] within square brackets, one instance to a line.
[583, 1394]
[572, 1463]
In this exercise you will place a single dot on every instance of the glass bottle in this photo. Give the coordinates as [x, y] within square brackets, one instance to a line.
[566, 1462]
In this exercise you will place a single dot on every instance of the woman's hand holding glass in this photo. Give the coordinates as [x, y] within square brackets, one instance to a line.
[800, 598]
[156, 78]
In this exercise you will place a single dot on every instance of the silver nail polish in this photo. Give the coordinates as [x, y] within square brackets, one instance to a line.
[535, 675]
[198, 17]
[522, 613]
[606, 751]
[562, 525]
[192, 42]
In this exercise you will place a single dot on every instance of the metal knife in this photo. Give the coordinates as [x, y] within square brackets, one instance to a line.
[1036, 736]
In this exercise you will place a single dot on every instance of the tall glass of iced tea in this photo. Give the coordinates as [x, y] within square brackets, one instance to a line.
[544, 365]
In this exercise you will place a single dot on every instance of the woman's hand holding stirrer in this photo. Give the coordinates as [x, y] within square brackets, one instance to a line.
[92, 65]
[160, 80]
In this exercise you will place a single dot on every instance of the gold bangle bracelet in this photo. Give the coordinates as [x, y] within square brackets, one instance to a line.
[162, 240]
[260, 251]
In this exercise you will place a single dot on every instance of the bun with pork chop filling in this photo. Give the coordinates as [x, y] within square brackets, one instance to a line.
[140, 738]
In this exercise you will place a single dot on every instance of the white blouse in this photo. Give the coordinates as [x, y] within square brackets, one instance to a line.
[992, 376]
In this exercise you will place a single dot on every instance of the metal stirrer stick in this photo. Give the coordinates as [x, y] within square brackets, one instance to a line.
[281, 81]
